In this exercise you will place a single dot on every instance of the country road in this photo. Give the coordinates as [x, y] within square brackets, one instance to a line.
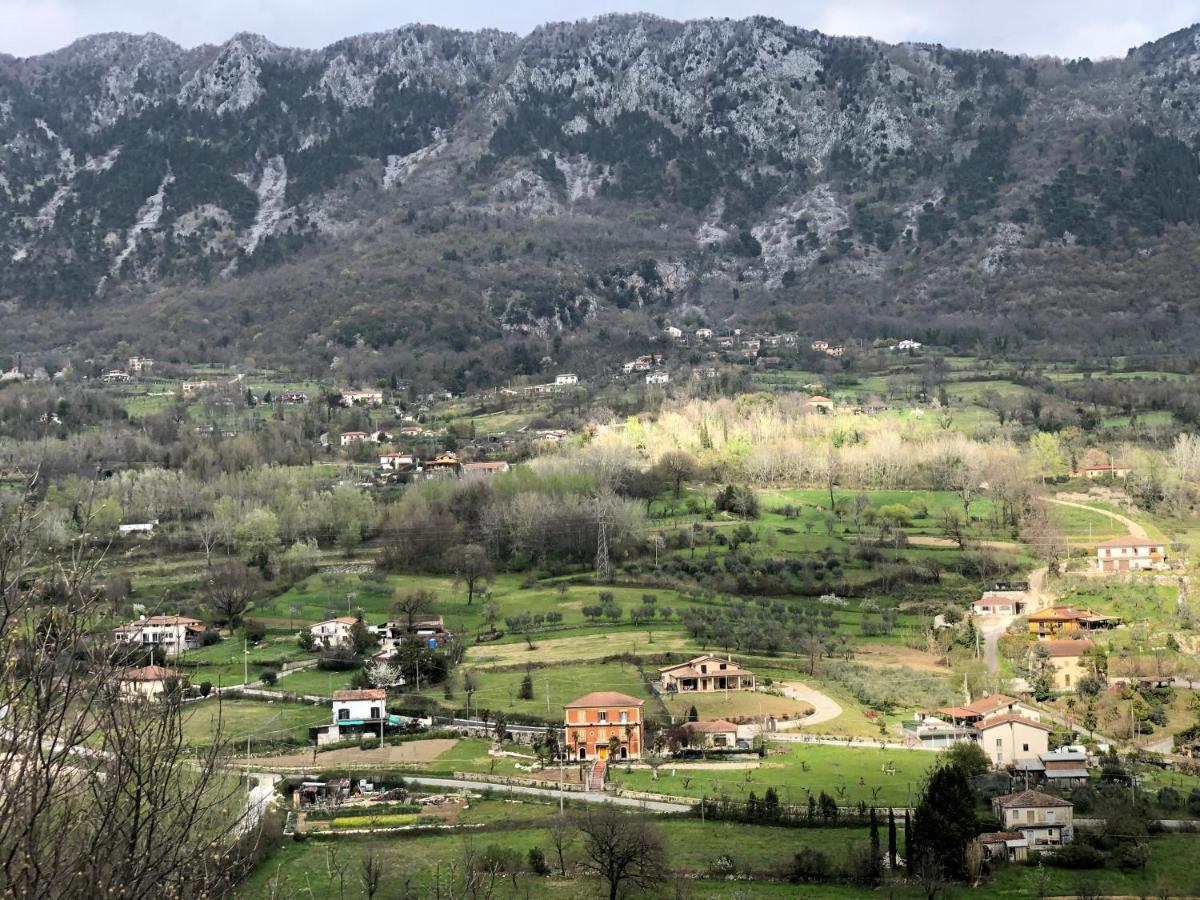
[585, 796]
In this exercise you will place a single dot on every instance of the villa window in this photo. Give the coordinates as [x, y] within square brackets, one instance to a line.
[624, 716]
[603, 716]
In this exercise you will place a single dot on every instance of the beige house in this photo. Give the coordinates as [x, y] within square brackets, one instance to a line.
[1131, 554]
[705, 674]
[820, 404]
[149, 682]
[1066, 662]
[717, 734]
[170, 634]
[1009, 737]
[1042, 819]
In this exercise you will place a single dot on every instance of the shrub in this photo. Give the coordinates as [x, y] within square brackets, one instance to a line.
[1193, 802]
[1168, 798]
[369, 743]
[1132, 856]
[537, 861]
[337, 659]
[254, 631]
[269, 678]
[810, 865]
[205, 688]
[1076, 856]
[209, 636]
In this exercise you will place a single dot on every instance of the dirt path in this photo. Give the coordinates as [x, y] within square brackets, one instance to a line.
[1134, 529]
[410, 752]
[929, 540]
[825, 708]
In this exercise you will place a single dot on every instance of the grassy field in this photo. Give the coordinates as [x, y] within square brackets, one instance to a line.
[236, 720]
[849, 775]
[734, 705]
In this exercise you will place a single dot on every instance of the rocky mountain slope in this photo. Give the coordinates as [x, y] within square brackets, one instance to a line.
[425, 191]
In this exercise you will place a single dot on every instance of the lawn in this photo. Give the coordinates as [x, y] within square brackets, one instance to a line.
[847, 774]
[261, 721]
[553, 686]
[734, 705]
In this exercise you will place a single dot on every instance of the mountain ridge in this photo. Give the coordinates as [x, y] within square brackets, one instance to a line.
[777, 171]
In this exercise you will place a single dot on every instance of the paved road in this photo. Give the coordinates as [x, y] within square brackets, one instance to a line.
[550, 793]
[262, 795]
[825, 709]
[1134, 529]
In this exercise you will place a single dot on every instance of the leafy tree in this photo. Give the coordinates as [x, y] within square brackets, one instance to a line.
[944, 823]
[526, 690]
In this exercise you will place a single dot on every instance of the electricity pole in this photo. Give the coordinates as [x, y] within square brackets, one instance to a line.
[603, 566]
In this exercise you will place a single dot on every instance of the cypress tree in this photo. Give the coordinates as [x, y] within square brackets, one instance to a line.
[892, 839]
[907, 838]
[874, 843]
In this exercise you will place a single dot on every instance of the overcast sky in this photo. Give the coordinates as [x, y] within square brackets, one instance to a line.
[1070, 28]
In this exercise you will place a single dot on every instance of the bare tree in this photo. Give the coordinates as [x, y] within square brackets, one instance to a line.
[108, 797]
[228, 590]
[677, 467]
[563, 834]
[471, 567]
[371, 873]
[411, 604]
[622, 848]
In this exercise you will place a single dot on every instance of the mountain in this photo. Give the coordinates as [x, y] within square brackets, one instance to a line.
[467, 206]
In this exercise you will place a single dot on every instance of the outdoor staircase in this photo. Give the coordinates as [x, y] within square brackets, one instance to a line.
[596, 776]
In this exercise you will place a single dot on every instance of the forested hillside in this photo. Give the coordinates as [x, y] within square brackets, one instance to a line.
[463, 207]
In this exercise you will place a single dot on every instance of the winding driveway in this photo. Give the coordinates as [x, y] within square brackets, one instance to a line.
[825, 708]
[1134, 529]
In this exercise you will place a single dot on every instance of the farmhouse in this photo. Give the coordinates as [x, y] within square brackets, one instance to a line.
[192, 388]
[1058, 620]
[352, 438]
[1131, 554]
[114, 375]
[397, 462]
[1005, 728]
[1006, 845]
[149, 682]
[999, 603]
[485, 469]
[1065, 766]
[704, 333]
[356, 714]
[430, 631]
[672, 332]
[1042, 819]
[1067, 661]
[717, 734]
[139, 364]
[361, 398]
[705, 674]
[566, 378]
[1110, 471]
[820, 404]
[603, 724]
[657, 378]
[170, 634]
[333, 632]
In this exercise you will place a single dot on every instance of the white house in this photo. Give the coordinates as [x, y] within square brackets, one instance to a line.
[137, 527]
[351, 438]
[907, 344]
[148, 681]
[704, 333]
[673, 332]
[566, 378]
[397, 461]
[356, 714]
[139, 364]
[1131, 554]
[1005, 728]
[657, 378]
[170, 634]
[333, 632]
[361, 398]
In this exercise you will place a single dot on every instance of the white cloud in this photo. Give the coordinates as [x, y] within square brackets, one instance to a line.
[1070, 28]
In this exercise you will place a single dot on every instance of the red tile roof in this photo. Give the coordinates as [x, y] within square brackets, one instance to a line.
[996, 837]
[1132, 542]
[148, 673]
[605, 698]
[1024, 799]
[1066, 648]
[987, 724]
[716, 726]
[364, 694]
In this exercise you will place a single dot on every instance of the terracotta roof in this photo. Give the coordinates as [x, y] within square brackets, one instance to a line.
[987, 724]
[1066, 648]
[819, 399]
[1062, 614]
[1029, 798]
[605, 698]
[485, 465]
[148, 673]
[1104, 468]
[995, 837]
[716, 726]
[345, 620]
[1132, 542]
[364, 694]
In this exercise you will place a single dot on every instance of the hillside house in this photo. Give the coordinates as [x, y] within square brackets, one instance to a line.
[705, 674]
[717, 734]
[658, 378]
[704, 334]
[1065, 766]
[114, 376]
[361, 398]
[603, 724]
[445, 463]
[429, 631]
[353, 438]
[907, 344]
[397, 462]
[149, 682]
[140, 364]
[819, 346]
[1004, 727]
[820, 404]
[1067, 661]
[1067, 620]
[672, 332]
[999, 603]
[1131, 554]
[172, 635]
[356, 714]
[485, 469]
[566, 378]
[1004, 845]
[1113, 470]
[191, 389]
[1042, 819]
[333, 632]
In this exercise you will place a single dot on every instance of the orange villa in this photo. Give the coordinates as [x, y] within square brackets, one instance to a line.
[595, 720]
